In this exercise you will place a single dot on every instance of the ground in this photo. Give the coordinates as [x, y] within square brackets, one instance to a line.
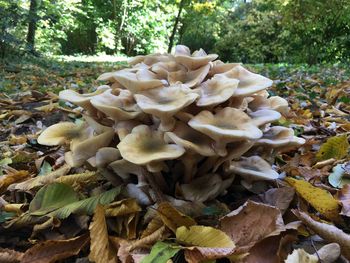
[319, 97]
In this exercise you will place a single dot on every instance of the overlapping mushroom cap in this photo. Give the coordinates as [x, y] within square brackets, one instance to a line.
[186, 116]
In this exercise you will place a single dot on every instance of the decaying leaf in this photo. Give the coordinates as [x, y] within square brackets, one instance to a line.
[278, 197]
[152, 226]
[161, 252]
[344, 198]
[251, 223]
[173, 218]
[204, 243]
[78, 180]
[328, 232]
[319, 198]
[335, 147]
[54, 250]
[100, 249]
[11, 178]
[122, 207]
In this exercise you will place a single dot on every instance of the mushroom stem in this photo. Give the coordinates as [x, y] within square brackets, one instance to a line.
[189, 161]
[220, 148]
[159, 196]
[167, 123]
[207, 165]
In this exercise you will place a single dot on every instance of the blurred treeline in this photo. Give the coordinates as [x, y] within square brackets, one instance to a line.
[295, 31]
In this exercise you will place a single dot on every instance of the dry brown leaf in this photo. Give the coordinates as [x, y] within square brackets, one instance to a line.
[152, 226]
[122, 208]
[100, 249]
[11, 178]
[344, 198]
[251, 223]
[328, 232]
[278, 197]
[157, 235]
[173, 218]
[10, 256]
[54, 250]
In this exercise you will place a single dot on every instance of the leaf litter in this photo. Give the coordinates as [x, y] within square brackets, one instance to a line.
[52, 212]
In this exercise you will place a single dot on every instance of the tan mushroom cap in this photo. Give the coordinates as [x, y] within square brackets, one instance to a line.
[165, 102]
[198, 59]
[249, 83]
[228, 124]
[221, 67]
[253, 168]
[190, 139]
[124, 169]
[120, 107]
[144, 145]
[278, 136]
[82, 100]
[139, 81]
[182, 50]
[189, 78]
[274, 103]
[162, 69]
[60, 134]
[262, 117]
[216, 90]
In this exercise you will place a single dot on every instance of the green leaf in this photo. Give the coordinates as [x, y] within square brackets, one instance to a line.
[336, 178]
[5, 161]
[161, 252]
[86, 206]
[335, 147]
[4, 216]
[45, 168]
[52, 197]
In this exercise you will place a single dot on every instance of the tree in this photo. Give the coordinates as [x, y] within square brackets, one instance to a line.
[32, 22]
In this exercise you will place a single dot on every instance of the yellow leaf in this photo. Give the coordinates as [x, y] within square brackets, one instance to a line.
[100, 249]
[203, 236]
[11, 178]
[122, 208]
[173, 218]
[335, 147]
[204, 243]
[319, 198]
[152, 226]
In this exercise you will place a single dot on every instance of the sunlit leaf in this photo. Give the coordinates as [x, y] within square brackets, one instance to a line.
[161, 252]
[335, 147]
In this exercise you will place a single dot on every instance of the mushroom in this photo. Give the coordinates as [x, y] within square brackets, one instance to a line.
[82, 100]
[216, 90]
[60, 134]
[123, 128]
[227, 125]
[139, 81]
[195, 143]
[189, 78]
[165, 102]
[262, 117]
[119, 107]
[144, 145]
[253, 168]
[106, 155]
[198, 59]
[249, 83]
[279, 136]
[219, 67]
[274, 103]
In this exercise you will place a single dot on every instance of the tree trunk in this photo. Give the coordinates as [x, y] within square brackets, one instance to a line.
[173, 33]
[32, 25]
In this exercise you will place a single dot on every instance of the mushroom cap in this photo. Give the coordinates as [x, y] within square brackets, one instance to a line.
[190, 139]
[144, 145]
[123, 168]
[182, 50]
[106, 155]
[262, 117]
[228, 124]
[162, 69]
[120, 107]
[59, 134]
[165, 101]
[139, 81]
[253, 168]
[249, 83]
[198, 59]
[216, 90]
[221, 67]
[278, 104]
[278, 136]
[189, 78]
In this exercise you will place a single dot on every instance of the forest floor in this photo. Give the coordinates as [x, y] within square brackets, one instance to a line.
[319, 97]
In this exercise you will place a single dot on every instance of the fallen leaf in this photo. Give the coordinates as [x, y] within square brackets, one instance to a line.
[54, 250]
[161, 252]
[122, 208]
[319, 198]
[78, 180]
[278, 197]
[101, 250]
[335, 147]
[344, 198]
[204, 243]
[173, 218]
[328, 253]
[251, 223]
[11, 178]
[328, 232]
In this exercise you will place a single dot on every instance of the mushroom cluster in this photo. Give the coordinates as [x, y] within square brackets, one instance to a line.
[180, 118]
